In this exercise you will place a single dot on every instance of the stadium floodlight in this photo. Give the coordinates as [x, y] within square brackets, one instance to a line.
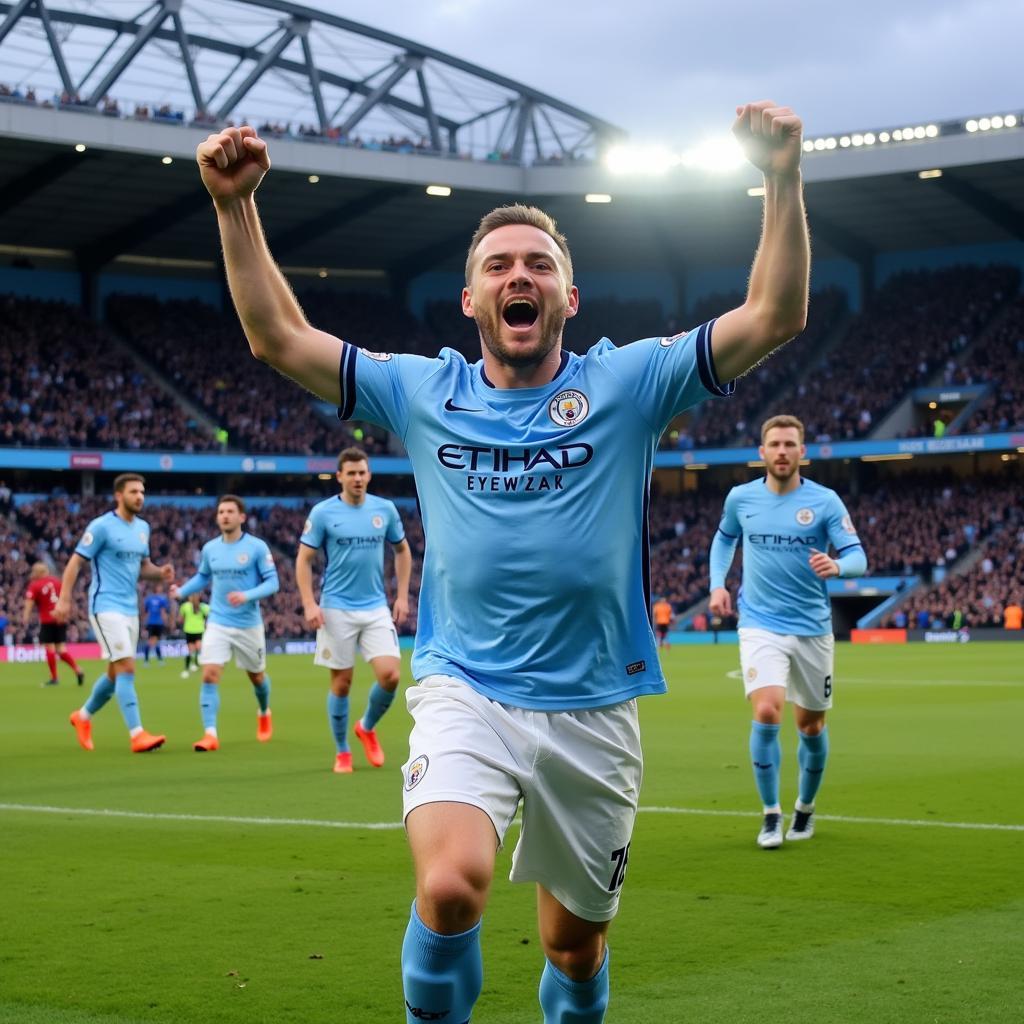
[313, 179]
[869, 138]
[649, 161]
[857, 140]
[322, 272]
[920, 132]
[997, 122]
[720, 155]
[696, 465]
[972, 125]
[443, 191]
[756, 192]
[984, 124]
[931, 131]
[324, 476]
[165, 160]
[808, 145]
[897, 136]
[845, 141]
[883, 136]
[934, 172]
[597, 197]
[933, 405]
[831, 143]
[1010, 121]
[80, 148]
[819, 144]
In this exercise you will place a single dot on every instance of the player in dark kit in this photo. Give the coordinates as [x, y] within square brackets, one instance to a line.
[43, 592]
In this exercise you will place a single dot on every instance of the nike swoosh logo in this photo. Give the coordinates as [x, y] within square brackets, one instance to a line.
[450, 406]
[749, 515]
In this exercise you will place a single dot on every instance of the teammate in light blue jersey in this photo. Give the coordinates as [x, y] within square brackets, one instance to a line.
[786, 524]
[350, 529]
[532, 468]
[239, 568]
[116, 545]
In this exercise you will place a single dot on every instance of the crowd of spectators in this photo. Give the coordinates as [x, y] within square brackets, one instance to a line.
[65, 382]
[205, 356]
[915, 324]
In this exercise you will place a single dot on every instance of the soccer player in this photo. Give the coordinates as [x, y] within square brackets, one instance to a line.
[43, 592]
[241, 569]
[193, 615]
[116, 545]
[350, 529]
[534, 639]
[663, 616]
[157, 609]
[786, 645]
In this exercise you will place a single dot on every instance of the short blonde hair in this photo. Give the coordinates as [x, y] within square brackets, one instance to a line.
[503, 216]
[782, 421]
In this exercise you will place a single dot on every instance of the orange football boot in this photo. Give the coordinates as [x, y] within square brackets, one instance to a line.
[264, 728]
[209, 742]
[83, 727]
[368, 738]
[143, 742]
[343, 763]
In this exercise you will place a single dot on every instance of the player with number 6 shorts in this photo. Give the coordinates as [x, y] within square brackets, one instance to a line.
[786, 524]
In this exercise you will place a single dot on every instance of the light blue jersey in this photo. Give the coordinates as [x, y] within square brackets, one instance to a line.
[780, 591]
[246, 565]
[352, 538]
[116, 550]
[534, 500]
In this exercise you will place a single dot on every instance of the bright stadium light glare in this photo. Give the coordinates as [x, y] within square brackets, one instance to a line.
[933, 405]
[908, 134]
[997, 122]
[869, 138]
[934, 172]
[313, 179]
[844, 141]
[80, 148]
[920, 132]
[439, 190]
[322, 272]
[897, 136]
[597, 197]
[972, 125]
[1010, 121]
[984, 124]
[808, 145]
[819, 144]
[166, 160]
[641, 160]
[858, 140]
[932, 131]
[756, 192]
[830, 143]
[721, 155]
[883, 136]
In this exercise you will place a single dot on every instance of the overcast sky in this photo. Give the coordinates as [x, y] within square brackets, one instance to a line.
[672, 70]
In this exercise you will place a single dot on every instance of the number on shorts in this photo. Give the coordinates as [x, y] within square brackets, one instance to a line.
[620, 858]
[828, 687]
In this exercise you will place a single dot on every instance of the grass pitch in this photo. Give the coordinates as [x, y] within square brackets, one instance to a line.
[248, 886]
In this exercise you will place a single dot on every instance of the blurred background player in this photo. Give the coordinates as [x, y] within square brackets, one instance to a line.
[663, 616]
[350, 529]
[193, 615]
[241, 569]
[157, 609]
[117, 547]
[44, 591]
[786, 642]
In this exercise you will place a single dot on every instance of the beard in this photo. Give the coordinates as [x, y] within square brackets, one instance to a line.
[552, 325]
[782, 475]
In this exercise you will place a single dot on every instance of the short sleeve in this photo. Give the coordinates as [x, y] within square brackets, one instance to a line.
[376, 386]
[841, 531]
[396, 531]
[666, 376]
[92, 540]
[313, 530]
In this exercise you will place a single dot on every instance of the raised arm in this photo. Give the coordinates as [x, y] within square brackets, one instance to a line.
[775, 310]
[232, 163]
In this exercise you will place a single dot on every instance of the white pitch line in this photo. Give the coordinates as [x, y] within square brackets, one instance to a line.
[972, 825]
[383, 826]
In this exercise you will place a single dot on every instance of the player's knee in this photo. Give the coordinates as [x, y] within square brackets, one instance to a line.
[452, 897]
[812, 727]
[388, 679]
[767, 713]
[580, 960]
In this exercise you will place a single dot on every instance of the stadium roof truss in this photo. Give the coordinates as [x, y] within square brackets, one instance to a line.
[288, 64]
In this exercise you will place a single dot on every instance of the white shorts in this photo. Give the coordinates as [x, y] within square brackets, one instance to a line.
[373, 630]
[117, 633]
[248, 645]
[801, 664]
[577, 773]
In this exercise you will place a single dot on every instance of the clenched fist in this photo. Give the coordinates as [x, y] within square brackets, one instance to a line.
[232, 163]
[771, 137]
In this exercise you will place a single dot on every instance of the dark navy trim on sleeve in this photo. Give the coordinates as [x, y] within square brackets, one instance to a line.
[850, 547]
[347, 381]
[88, 558]
[729, 535]
[706, 363]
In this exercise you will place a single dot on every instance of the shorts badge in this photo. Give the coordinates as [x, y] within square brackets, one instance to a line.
[751, 673]
[417, 769]
[805, 516]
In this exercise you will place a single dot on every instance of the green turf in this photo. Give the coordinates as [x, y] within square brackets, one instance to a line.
[125, 920]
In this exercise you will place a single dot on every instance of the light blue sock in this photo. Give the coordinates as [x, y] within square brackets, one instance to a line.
[337, 714]
[441, 974]
[209, 704]
[380, 700]
[124, 687]
[812, 755]
[565, 1001]
[262, 691]
[102, 691]
[766, 756]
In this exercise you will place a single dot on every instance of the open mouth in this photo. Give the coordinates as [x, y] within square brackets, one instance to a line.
[520, 313]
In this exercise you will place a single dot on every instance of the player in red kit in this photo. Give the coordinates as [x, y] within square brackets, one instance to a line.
[43, 592]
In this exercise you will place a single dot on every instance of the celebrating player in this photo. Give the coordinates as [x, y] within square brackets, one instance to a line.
[157, 609]
[532, 467]
[117, 546]
[351, 529]
[786, 645]
[43, 592]
[242, 571]
[193, 615]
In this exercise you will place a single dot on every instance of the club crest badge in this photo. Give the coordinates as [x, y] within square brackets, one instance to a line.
[805, 516]
[568, 408]
[378, 522]
[243, 558]
[416, 770]
[751, 673]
